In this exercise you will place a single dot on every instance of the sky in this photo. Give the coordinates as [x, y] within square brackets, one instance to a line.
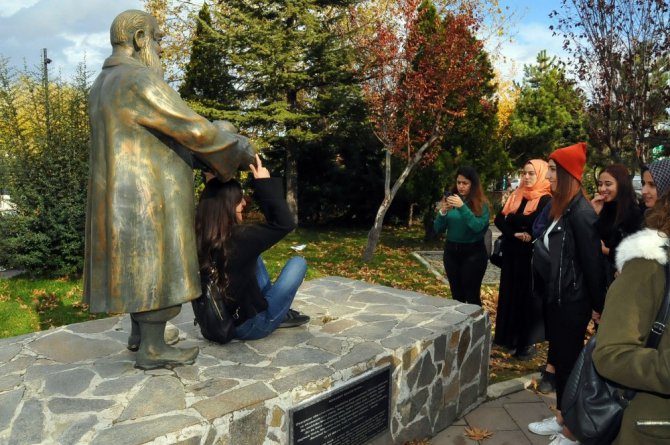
[78, 30]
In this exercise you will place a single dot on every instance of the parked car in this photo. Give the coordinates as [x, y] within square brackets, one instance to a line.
[514, 183]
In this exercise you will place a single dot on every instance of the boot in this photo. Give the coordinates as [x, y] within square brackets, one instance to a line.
[171, 335]
[153, 351]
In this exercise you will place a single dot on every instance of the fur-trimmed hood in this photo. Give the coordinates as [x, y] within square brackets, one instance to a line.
[647, 243]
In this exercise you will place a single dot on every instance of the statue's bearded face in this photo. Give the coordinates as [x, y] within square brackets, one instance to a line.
[150, 54]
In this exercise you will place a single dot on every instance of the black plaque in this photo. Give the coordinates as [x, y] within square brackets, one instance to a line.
[349, 415]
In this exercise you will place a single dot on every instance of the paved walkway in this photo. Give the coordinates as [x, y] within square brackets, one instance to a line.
[506, 418]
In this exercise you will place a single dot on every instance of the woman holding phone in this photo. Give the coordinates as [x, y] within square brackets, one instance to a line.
[464, 214]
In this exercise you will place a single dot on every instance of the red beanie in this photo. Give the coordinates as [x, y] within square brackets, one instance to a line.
[572, 159]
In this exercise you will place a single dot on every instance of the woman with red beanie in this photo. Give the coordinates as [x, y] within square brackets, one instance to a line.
[568, 259]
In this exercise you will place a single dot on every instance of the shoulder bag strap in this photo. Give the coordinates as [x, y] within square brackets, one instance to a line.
[658, 327]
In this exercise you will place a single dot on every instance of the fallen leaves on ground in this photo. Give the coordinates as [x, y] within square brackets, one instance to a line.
[475, 433]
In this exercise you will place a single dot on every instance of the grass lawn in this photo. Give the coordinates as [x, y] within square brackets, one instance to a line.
[28, 305]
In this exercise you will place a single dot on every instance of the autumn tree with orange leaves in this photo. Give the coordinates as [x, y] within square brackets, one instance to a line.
[420, 68]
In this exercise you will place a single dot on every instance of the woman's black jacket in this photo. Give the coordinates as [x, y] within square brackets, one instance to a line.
[248, 241]
[575, 269]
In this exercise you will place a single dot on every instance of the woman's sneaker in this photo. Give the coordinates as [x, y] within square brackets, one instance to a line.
[546, 427]
[547, 383]
[560, 439]
[293, 319]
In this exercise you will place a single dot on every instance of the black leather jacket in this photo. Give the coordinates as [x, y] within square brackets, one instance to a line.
[575, 259]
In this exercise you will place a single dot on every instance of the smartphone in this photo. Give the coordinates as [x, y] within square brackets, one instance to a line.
[447, 193]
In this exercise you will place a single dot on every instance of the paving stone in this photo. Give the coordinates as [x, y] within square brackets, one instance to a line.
[116, 366]
[360, 353]
[280, 339]
[119, 385]
[331, 345]
[28, 427]
[337, 326]
[136, 433]
[66, 347]
[69, 383]
[244, 397]
[454, 435]
[491, 418]
[370, 330]
[10, 382]
[62, 405]
[18, 365]
[508, 438]
[77, 429]
[94, 326]
[301, 378]
[301, 356]
[242, 352]
[212, 387]
[9, 402]
[525, 413]
[241, 372]
[158, 395]
[8, 352]
[369, 296]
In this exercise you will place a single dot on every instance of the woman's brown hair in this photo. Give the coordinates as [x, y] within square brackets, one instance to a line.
[214, 221]
[625, 194]
[567, 188]
[476, 197]
[658, 217]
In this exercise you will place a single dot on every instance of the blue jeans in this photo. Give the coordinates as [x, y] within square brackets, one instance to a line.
[278, 295]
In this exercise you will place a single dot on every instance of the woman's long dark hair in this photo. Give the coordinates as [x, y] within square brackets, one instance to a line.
[476, 197]
[214, 221]
[567, 187]
[625, 195]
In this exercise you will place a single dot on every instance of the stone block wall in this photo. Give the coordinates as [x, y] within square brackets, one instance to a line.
[77, 383]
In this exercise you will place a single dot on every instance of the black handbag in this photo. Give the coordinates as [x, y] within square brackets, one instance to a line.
[592, 406]
[497, 252]
[211, 314]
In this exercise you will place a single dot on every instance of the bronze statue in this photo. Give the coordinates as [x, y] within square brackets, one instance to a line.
[140, 239]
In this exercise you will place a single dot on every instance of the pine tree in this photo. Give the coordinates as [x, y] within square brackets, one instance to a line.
[208, 82]
[288, 58]
[549, 112]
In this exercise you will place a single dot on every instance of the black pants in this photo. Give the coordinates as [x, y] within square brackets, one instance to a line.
[465, 264]
[566, 329]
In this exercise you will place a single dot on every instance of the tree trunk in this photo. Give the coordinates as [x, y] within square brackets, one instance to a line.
[389, 194]
[292, 182]
[292, 162]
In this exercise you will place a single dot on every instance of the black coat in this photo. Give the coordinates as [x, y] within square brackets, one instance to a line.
[611, 233]
[519, 319]
[248, 241]
[575, 268]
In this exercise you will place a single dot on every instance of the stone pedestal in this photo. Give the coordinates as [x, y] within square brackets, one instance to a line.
[77, 383]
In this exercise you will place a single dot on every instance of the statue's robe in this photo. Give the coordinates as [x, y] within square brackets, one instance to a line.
[140, 238]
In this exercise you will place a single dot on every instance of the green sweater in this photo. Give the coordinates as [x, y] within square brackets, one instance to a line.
[462, 225]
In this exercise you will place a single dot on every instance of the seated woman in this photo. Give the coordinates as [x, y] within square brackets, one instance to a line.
[235, 248]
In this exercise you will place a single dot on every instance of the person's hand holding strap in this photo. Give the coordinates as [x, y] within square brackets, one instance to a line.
[258, 170]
